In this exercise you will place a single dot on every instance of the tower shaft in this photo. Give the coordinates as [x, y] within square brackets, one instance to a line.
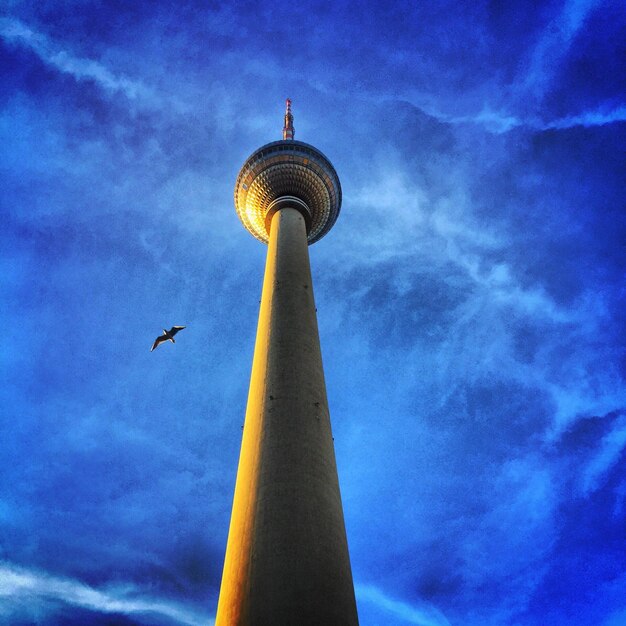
[287, 556]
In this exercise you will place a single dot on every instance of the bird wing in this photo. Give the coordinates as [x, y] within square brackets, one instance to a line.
[157, 341]
[174, 329]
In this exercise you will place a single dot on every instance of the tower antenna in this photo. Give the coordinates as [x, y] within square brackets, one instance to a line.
[288, 129]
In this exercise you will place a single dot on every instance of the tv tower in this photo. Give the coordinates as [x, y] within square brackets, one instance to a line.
[287, 559]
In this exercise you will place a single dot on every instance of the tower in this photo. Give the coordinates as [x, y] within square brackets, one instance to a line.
[287, 559]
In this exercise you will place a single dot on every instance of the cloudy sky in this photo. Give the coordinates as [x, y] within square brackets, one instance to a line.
[470, 299]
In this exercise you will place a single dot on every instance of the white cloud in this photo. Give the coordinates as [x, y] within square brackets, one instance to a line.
[493, 121]
[498, 122]
[610, 452]
[15, 31]
[423, 615]
[588, 118]
[29, 589]
[557, 38]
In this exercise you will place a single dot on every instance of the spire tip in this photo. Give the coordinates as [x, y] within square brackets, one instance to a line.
[288, 129]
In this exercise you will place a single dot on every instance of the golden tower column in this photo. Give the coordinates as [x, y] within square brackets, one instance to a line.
[287, 559]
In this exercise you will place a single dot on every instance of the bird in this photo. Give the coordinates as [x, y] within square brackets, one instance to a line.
[168, 335]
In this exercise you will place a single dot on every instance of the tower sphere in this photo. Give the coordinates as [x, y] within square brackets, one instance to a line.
[288, 173]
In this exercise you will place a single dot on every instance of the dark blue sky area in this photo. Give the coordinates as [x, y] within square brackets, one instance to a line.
[470, 301]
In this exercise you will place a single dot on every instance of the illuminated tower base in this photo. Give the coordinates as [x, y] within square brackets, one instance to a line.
[287, 557]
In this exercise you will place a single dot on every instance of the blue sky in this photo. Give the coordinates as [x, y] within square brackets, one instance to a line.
[470, 301]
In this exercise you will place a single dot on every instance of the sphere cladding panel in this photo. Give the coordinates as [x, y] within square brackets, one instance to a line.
[287, 168]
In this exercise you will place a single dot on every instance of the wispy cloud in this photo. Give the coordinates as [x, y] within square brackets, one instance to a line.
[498, 122]
[16, 32]
[465, 247]
[537, 73]
[610, 452]
[447, 233]
[588, 119]
[554, 44]
[29, 588]
[423, 615]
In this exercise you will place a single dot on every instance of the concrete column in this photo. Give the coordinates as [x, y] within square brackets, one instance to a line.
[287, 557]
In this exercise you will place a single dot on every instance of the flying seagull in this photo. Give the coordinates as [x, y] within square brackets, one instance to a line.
[168, 335]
